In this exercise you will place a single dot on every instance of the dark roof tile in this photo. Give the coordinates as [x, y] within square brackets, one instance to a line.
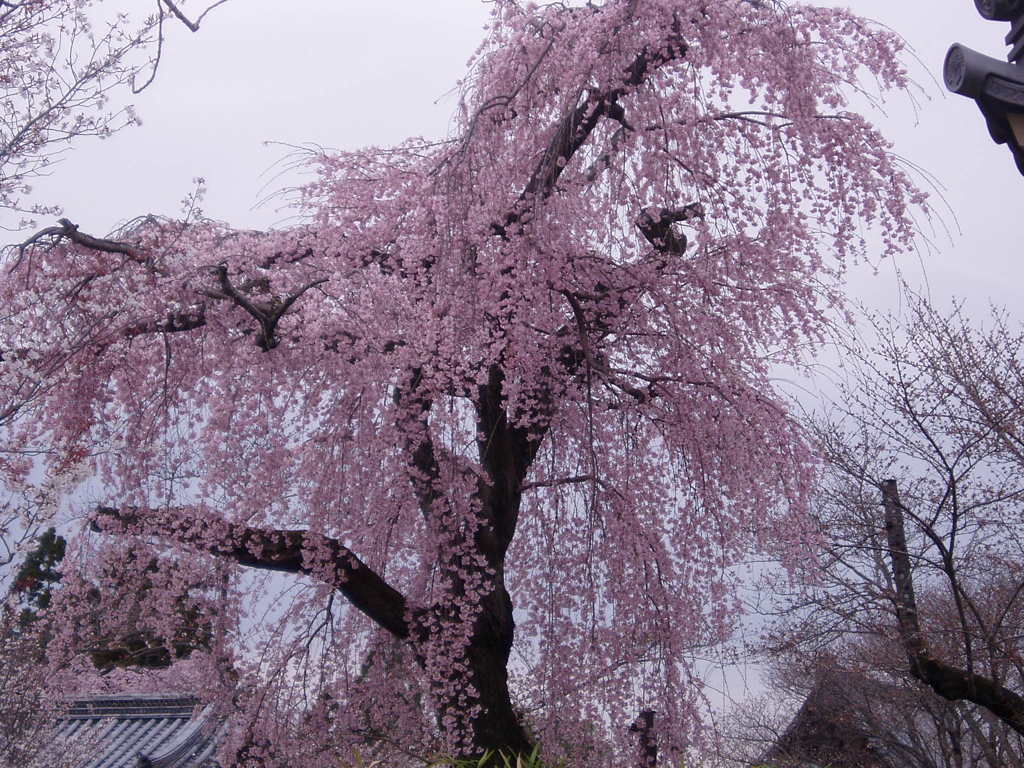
[127, 731]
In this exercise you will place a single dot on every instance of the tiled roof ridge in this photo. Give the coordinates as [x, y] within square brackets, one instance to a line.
[197, 739]
[133, 705]
[135, 730]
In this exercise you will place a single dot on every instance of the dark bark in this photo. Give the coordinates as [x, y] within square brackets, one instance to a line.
[413, 411]
[647, 756]
[575, 129]
[506, 452]
[69, 231]
[498, 727]
[267, 314]
[273, 550]
[946, 680]
[658, 231]
[906, 602]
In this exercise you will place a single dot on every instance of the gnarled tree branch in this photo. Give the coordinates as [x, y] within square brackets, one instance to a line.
[67, 230]
[289, 551]
[267, 315]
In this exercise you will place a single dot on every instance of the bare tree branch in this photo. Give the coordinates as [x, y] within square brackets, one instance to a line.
[946, 680]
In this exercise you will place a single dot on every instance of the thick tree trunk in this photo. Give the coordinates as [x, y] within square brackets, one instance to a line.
[498, 727]
[647, 756]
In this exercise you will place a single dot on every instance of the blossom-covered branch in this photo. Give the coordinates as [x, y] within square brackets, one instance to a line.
[584, 294]
[288, 551]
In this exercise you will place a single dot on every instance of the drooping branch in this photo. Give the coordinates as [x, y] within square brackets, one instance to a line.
[172, 322]
[946, 680]
[574, 130]
[288, 551]
[504, 453]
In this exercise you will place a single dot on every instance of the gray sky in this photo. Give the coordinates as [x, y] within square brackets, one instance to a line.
[348, 74]
[947, 138]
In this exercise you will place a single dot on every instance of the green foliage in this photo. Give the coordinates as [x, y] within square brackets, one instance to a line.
[37, 576]
[497, 759]
[489, 759]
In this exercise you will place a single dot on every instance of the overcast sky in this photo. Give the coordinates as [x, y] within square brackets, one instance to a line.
[348, 74]
[351, 73]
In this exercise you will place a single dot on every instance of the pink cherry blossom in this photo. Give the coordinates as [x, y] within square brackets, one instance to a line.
[485, 434]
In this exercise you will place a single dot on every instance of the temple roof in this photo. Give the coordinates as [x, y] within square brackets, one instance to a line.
[826, 731]
[140, 731]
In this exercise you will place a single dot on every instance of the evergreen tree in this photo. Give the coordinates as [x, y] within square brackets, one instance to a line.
[37, 576]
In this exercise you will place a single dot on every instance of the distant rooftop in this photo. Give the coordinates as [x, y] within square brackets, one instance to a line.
[141, 731]
[826, 731]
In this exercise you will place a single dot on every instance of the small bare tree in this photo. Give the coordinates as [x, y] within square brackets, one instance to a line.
[920, 514]
[60, 62]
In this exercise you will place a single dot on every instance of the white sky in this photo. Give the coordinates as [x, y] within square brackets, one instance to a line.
[347, 74]
[334, 73]
[947, 138]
